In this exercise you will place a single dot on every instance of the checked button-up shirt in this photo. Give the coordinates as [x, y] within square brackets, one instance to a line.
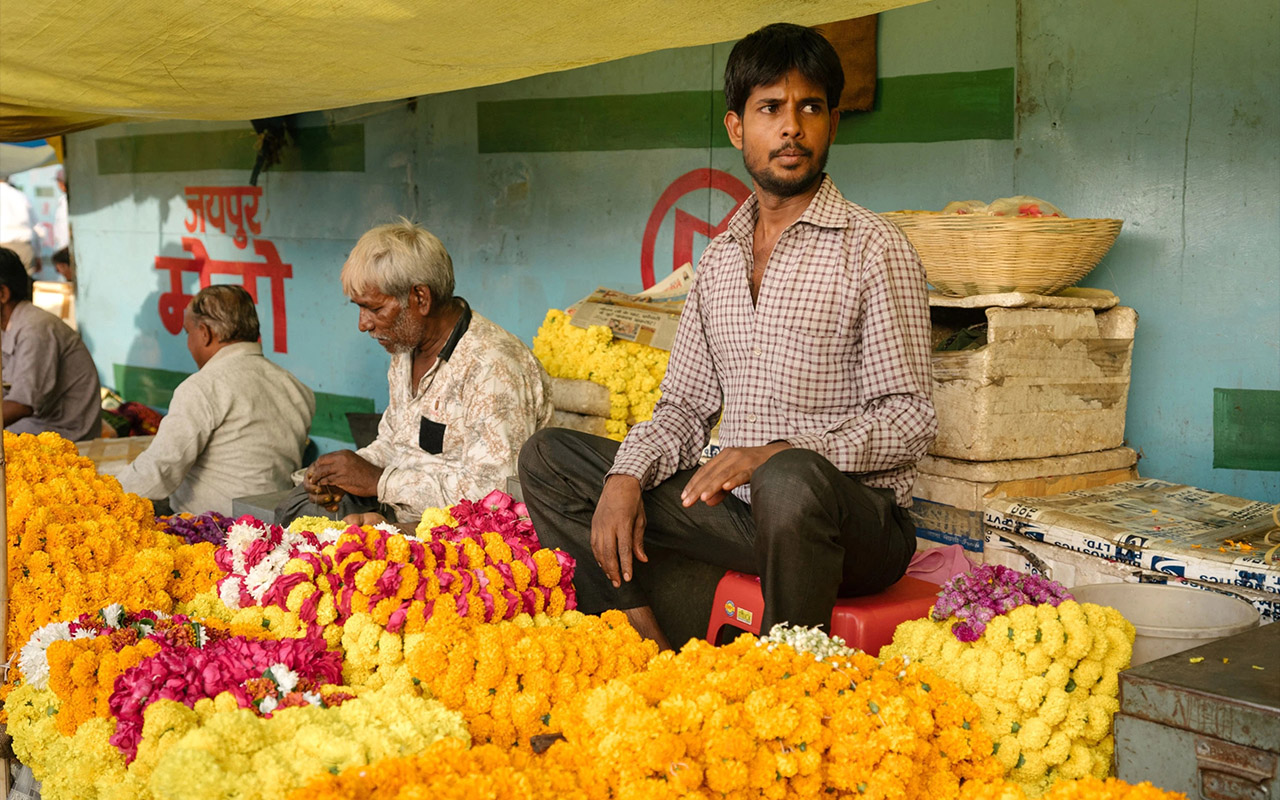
[832, 357]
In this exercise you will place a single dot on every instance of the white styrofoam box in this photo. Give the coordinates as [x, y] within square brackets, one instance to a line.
[1048, 382]
[968, 485]
[950, 494]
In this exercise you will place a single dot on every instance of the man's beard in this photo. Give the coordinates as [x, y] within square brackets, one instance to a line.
[791, 184]
[401, 336]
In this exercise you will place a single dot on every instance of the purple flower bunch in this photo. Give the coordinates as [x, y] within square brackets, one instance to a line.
[207, 527]
[975, 598]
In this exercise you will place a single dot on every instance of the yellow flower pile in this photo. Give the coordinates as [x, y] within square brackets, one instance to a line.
[1046, 679]
[69, 767]
[631, 372]
[372, 655]
[219, 750]
[507, 677]
[751, 721]
[77, 542]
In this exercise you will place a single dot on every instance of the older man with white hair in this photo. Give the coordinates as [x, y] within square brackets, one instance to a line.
[464, 394]
[236, 427]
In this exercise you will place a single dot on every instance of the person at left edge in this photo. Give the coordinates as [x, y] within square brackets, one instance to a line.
[464, 394]
[237, 427]
[53, 383]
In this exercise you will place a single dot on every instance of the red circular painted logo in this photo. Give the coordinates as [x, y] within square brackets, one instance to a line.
[686, 224]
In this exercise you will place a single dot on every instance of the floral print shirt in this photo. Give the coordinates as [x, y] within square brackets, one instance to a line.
[458, 433]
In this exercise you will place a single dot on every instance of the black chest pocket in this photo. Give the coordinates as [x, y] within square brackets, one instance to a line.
[431, 436]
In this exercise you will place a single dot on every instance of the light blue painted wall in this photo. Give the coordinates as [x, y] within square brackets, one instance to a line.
[1113, 120]
[1167, 115]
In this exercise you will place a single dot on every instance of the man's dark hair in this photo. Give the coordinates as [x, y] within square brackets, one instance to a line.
[14, 275]
[768, 54]
[63, 256]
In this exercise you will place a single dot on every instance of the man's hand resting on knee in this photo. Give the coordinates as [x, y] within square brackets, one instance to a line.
[617, 528]
[335, 474]
[730, 468]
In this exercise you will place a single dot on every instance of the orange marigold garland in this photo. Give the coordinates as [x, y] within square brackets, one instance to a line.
[507, 678]
[769, 721]
[1083, 789]
[78, 542]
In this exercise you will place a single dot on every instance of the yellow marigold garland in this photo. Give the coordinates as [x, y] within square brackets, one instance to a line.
[631, 372]
[1046, 679]
[220, 750]
[507, 677]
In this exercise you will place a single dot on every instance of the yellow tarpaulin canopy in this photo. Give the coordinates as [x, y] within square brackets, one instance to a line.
[73, 65]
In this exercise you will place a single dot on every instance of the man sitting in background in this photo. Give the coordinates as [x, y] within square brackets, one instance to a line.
[464, 393]
[236, 427]
[53, 381]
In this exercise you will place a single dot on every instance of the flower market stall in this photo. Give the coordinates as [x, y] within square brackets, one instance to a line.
[203, 657]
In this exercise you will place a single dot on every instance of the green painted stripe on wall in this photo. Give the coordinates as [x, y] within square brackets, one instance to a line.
[154, 387]
[944, 107]
[147, 385]
[1246, 429]
[331, 415]
[338, 148]
[949, 106]
[606, 122]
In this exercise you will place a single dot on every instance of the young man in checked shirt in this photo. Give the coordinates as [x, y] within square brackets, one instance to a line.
[807, 332]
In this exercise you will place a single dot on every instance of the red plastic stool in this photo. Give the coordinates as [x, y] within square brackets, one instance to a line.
[866, 623]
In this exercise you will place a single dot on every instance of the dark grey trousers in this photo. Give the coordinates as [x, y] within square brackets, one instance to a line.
[812, 532]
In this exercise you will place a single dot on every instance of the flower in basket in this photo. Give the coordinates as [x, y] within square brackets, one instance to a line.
[1044, 672]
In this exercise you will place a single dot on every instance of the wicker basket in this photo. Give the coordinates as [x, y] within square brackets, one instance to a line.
[966, 255]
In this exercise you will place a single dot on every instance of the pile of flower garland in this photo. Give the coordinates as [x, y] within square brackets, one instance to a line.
[1044, 672]
[746, 720]
[310, 672]
[1079, 789]
[631, 372]
[506, 679]
[77, 542]
[217, 748]
[497, 513]
[400, 581]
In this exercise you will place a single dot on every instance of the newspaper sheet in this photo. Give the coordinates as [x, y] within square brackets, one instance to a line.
[650, 317]
[1170, 528]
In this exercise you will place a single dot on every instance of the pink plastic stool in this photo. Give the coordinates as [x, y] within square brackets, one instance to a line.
[866, 623]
